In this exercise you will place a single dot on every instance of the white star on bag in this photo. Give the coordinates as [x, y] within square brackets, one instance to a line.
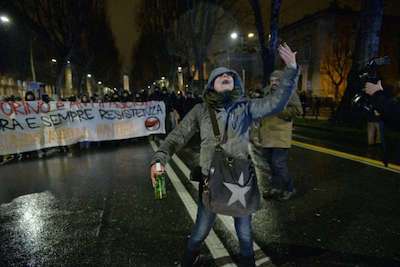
[238, 192]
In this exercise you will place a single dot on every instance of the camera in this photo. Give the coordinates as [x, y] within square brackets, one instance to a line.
[369, 73]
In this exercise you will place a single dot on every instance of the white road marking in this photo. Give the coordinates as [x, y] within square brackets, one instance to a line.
[261, 258]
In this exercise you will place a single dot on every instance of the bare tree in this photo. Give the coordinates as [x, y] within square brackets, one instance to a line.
[173, 35]
[179, 44]
[71, 28]
[336, 63]
[267, 50]
[191, 34]
[203, 20]
[151, 58]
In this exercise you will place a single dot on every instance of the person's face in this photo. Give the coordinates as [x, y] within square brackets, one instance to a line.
[224, 83]
[274, 82]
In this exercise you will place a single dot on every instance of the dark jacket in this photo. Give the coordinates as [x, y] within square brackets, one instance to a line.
[388, 107]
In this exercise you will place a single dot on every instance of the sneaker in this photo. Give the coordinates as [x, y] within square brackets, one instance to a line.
[286, 195]
[272, 193]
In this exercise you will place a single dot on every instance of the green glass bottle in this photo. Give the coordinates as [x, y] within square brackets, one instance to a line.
[160, 190]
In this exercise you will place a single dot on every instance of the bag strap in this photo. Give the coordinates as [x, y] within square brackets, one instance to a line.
[214, 123]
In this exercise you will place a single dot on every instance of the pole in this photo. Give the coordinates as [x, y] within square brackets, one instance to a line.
[32, 62]
[241, 62]
[244, 79]
[229, 58]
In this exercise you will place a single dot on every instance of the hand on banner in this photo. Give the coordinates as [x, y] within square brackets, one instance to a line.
[154, 172]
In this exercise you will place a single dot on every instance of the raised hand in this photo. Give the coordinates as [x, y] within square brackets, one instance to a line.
[287, 55]
[371, 88]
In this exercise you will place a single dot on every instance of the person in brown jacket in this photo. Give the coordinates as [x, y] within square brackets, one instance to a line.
[270, 142]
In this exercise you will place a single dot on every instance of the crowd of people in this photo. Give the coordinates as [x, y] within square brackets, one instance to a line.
[177, 105]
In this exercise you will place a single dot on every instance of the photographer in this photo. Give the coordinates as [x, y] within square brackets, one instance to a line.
[388, 107]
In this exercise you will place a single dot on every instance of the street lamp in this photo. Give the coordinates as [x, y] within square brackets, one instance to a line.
[68, 62]
[163, 78]
[180, 79]
[89, 75]
[99, 83]
[234, 35]
[54, 60]
[4, 19]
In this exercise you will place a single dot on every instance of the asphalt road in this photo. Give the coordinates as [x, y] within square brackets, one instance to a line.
[98, 209]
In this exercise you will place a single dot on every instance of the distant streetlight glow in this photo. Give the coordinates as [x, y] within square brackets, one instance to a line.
[4, 19]
[250, 35]
[179, 69]
[68, 62]
[148, 86]
[99, 83]
[89, 75]
[234, 35]
[54, 60]
[163, 78]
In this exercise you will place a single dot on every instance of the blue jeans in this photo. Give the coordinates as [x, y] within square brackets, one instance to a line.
[274, 160]
[205, 221]
[278, 161]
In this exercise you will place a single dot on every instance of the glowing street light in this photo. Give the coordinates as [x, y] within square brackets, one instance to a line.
[234, 35]
[179, 69]
[4, 19]
[250, 35]
[54, 60]
[99, 83]
[68, 62]
[163, 78]
[89, 75]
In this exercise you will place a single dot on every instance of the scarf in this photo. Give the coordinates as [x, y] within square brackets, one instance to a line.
[221, 100]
